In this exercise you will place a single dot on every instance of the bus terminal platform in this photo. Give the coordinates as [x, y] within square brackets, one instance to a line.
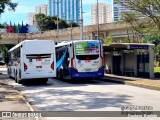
[129, 59]
[153, 84]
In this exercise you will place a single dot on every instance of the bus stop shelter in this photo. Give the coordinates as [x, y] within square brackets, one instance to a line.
[129, 59]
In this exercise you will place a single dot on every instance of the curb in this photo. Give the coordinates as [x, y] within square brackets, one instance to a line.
[142, 86]
[126, 82]
[23, 98]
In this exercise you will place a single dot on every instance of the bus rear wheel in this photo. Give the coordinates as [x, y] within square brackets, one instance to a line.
[44, 81]
[15, 77]
[19, 81]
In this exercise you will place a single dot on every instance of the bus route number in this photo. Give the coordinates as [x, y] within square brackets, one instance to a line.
[78, 46]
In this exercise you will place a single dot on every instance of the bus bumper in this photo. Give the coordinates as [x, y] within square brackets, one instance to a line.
[77, 75]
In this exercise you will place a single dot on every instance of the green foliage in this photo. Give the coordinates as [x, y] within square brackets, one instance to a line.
[74, 24]
[146, 8]
[126, 40]
[7, 3]
[108, 40]
[158, 49]
[157, 69]
[63, 24]
[144, 17]
[3, 50]
[45, 22]
[50, 23]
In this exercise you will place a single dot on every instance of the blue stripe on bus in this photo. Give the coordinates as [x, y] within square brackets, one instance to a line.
[75, 74]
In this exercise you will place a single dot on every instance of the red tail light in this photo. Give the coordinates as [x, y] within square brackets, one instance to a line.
[25, 67]
[102, 61]
[52, 65]
[72, 62]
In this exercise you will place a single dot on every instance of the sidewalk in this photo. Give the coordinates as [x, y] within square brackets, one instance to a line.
[139, 82]
[10, 98]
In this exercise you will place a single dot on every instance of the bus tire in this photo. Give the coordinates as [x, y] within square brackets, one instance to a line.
[44, 81]
[19, 81]
[15, 77]
[59, 74]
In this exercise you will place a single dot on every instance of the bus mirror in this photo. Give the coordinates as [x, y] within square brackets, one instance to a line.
[21, 46]
[70, 45]
[56, 43]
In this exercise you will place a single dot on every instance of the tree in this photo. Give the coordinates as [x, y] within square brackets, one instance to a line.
[49, 23]
[63, 24]
[11, 6]
[3, 50]
[74, 24]
[7, 3]
[144, 8]
[108, 40]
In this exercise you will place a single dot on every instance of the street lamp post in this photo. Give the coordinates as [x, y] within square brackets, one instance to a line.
[57, 36]
[81, 20]
[97, 20]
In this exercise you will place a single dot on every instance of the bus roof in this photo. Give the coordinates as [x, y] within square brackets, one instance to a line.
[19, 44]
[70, 42]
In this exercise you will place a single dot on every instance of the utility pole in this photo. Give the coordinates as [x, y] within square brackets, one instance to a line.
[71, 20]
[97, 20]
[81, 21]
[57, 36]
[71, 29]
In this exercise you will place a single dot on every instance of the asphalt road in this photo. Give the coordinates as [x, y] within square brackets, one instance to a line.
[95, 95]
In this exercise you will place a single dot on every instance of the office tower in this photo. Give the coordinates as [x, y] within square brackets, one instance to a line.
[68, 9]
[104, 13]
[43, 8]
[31, 18]
[118, 9]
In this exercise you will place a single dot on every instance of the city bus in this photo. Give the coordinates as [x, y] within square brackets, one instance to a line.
[31, 59]
[79, 59]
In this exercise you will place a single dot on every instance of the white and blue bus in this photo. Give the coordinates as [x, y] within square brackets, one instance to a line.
[79, 59]
[32, 59]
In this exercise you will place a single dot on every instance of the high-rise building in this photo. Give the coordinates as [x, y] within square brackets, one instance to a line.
[118, 9]
[31, 18]
[104, 13]
[68, 9]
[43, 8]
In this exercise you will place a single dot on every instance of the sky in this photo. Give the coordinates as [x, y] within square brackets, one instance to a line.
[26, 6]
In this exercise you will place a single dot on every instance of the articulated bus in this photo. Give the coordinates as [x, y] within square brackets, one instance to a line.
[32, 59]
[79, 59]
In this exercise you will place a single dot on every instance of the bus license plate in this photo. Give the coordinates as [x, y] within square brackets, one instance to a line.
[38, 66]
[40, 59]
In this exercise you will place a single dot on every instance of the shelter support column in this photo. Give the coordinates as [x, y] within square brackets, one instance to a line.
[151, 61]
[135, 63]
[122, 62]
[111, 62]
